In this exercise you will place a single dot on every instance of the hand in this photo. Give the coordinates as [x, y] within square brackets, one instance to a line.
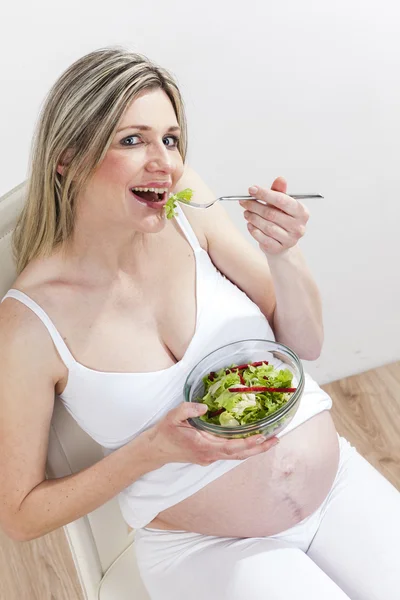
[173, 439]
[279, 225]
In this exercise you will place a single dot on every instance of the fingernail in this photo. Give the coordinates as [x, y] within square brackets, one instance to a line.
[253, 189]
[261, 439]
[276, 442]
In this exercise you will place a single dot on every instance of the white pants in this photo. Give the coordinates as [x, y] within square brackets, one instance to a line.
[349, 548]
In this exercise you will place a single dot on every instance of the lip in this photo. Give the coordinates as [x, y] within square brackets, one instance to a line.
[154, 184]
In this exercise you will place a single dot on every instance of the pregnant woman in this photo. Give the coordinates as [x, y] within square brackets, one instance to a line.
[112, 307]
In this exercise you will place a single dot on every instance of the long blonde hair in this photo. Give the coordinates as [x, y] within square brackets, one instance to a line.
[75, 128]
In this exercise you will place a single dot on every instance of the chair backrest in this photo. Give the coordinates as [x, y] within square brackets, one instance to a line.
[99, 538]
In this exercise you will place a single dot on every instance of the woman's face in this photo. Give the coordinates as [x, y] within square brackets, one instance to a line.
[143, 154]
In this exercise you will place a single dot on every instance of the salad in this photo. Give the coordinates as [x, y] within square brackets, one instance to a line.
[183, 196]
[242, 394]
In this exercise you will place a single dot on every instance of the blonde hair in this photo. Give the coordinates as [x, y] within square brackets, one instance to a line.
[75, 128]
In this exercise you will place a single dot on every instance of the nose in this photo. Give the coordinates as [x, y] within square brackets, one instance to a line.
[160, 159]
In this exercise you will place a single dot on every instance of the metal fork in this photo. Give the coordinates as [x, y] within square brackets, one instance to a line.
[237, 198]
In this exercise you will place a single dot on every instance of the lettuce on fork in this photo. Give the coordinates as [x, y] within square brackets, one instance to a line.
[242, 394]
[183, 196]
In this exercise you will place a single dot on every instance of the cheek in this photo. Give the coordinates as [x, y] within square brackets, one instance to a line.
[114, 169]
[179, 168]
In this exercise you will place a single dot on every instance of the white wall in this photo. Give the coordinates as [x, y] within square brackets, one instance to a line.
[306, 89]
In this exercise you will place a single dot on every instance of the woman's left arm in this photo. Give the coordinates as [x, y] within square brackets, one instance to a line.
[276, 279]
[277, 227]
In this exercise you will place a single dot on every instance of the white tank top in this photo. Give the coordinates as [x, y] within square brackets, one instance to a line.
[113, 408]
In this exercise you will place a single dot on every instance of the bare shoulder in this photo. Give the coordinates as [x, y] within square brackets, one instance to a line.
[25, 342]
[22, 333]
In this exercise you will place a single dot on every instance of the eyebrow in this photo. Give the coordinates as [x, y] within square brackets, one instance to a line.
[147, 128]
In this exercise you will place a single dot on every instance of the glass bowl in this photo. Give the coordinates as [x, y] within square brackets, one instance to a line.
[246, 351]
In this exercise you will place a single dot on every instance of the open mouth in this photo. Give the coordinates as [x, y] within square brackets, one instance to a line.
[153, 197]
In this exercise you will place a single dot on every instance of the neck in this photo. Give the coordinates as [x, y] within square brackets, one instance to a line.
[100, 247]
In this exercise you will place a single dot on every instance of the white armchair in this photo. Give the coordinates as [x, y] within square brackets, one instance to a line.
[101, 544]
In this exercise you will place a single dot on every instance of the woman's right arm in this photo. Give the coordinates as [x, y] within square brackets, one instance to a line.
[30, 505]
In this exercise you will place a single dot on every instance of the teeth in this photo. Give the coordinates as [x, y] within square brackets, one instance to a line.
[156, 190]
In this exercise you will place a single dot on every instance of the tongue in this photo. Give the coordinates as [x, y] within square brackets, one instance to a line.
[152, 196]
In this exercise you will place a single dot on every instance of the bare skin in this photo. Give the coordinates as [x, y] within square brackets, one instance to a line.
[269, 492]
[284, 485]
[101, 297]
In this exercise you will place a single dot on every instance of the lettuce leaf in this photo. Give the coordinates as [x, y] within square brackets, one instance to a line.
[241, 408]
[183, 196]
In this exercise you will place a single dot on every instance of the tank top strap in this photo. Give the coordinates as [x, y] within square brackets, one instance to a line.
[59, 343]
[187, 229]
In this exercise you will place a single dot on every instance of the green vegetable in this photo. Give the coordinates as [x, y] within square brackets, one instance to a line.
[233, 408]
[183, 196]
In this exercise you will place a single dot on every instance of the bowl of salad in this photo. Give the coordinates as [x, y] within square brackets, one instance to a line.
[250, 387]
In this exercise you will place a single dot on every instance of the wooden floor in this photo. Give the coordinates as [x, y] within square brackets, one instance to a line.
[39, 570]
[366, 410]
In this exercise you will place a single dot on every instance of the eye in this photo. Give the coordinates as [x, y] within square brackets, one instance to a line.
[174, 139]
[128, 140]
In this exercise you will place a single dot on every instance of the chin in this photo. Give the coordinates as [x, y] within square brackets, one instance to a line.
[150, 223]
[146, 219]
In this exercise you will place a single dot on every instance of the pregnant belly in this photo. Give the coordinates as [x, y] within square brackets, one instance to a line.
[267, 493]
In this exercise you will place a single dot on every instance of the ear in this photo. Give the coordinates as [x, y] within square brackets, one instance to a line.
[64, 161]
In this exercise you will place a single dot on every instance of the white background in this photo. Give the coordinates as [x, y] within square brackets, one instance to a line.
[307, 89]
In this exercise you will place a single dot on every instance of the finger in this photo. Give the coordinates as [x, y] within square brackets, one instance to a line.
[228, 447]
[274, 231]
[257, 449]
[268, 244]
[281, 201]
[243, 446]
[187, 410]
[231, 446]
[269, 230]
[288, 205]
[270, 213]
[205, 438]
[279, 185]
[296, 227]
[210, 438]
